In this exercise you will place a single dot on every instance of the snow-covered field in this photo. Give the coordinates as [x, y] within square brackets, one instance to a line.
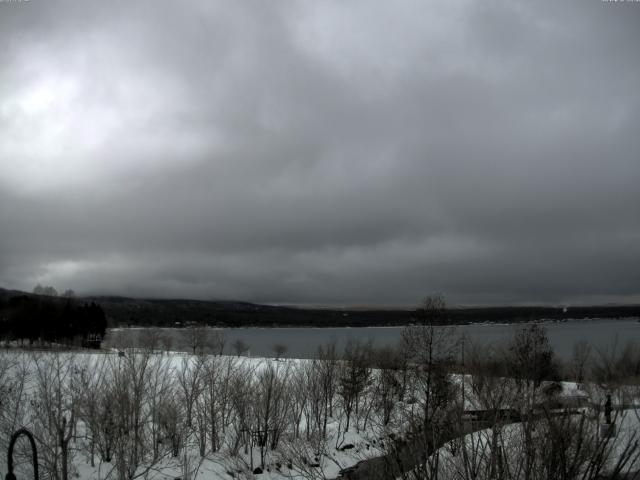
[46, 392]
[174, 415]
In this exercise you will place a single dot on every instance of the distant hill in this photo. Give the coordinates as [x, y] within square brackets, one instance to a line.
[123, 311]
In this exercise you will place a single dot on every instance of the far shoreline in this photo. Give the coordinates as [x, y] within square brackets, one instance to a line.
[324, 327]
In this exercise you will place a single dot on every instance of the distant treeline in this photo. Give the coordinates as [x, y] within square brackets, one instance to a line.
[172, 313]
[39, 319]
[122, 311]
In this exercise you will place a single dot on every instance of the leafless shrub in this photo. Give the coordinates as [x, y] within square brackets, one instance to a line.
[240, 347]
[55, 412]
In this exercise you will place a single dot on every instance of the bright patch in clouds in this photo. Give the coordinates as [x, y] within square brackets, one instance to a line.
[79, 127]
[51, 133]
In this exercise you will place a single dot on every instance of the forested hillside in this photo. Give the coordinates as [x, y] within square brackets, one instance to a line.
[122, 311]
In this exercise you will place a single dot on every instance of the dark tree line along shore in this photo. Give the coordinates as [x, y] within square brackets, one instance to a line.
[49, 320]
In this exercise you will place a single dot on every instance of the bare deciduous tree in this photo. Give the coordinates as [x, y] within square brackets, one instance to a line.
[240, 347]
[272, 406]
[354, 378]
[216, 405]
[579, 363]
[279, 350]
[195, 338]
[55, 410]
[432, 347]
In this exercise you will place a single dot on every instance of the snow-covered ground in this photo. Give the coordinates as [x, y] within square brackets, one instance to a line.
[23, 374]
[48, 391]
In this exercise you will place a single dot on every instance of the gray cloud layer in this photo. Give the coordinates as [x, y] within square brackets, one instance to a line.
[322, 152]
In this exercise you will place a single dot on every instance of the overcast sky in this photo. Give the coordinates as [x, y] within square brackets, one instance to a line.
[322, 152]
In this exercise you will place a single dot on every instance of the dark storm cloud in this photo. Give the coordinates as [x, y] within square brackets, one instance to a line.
[326, 152]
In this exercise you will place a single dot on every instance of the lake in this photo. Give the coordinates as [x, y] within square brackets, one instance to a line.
[303, 342]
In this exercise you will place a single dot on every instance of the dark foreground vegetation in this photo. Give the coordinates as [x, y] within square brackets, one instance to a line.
[122, 311]
[436, 407]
